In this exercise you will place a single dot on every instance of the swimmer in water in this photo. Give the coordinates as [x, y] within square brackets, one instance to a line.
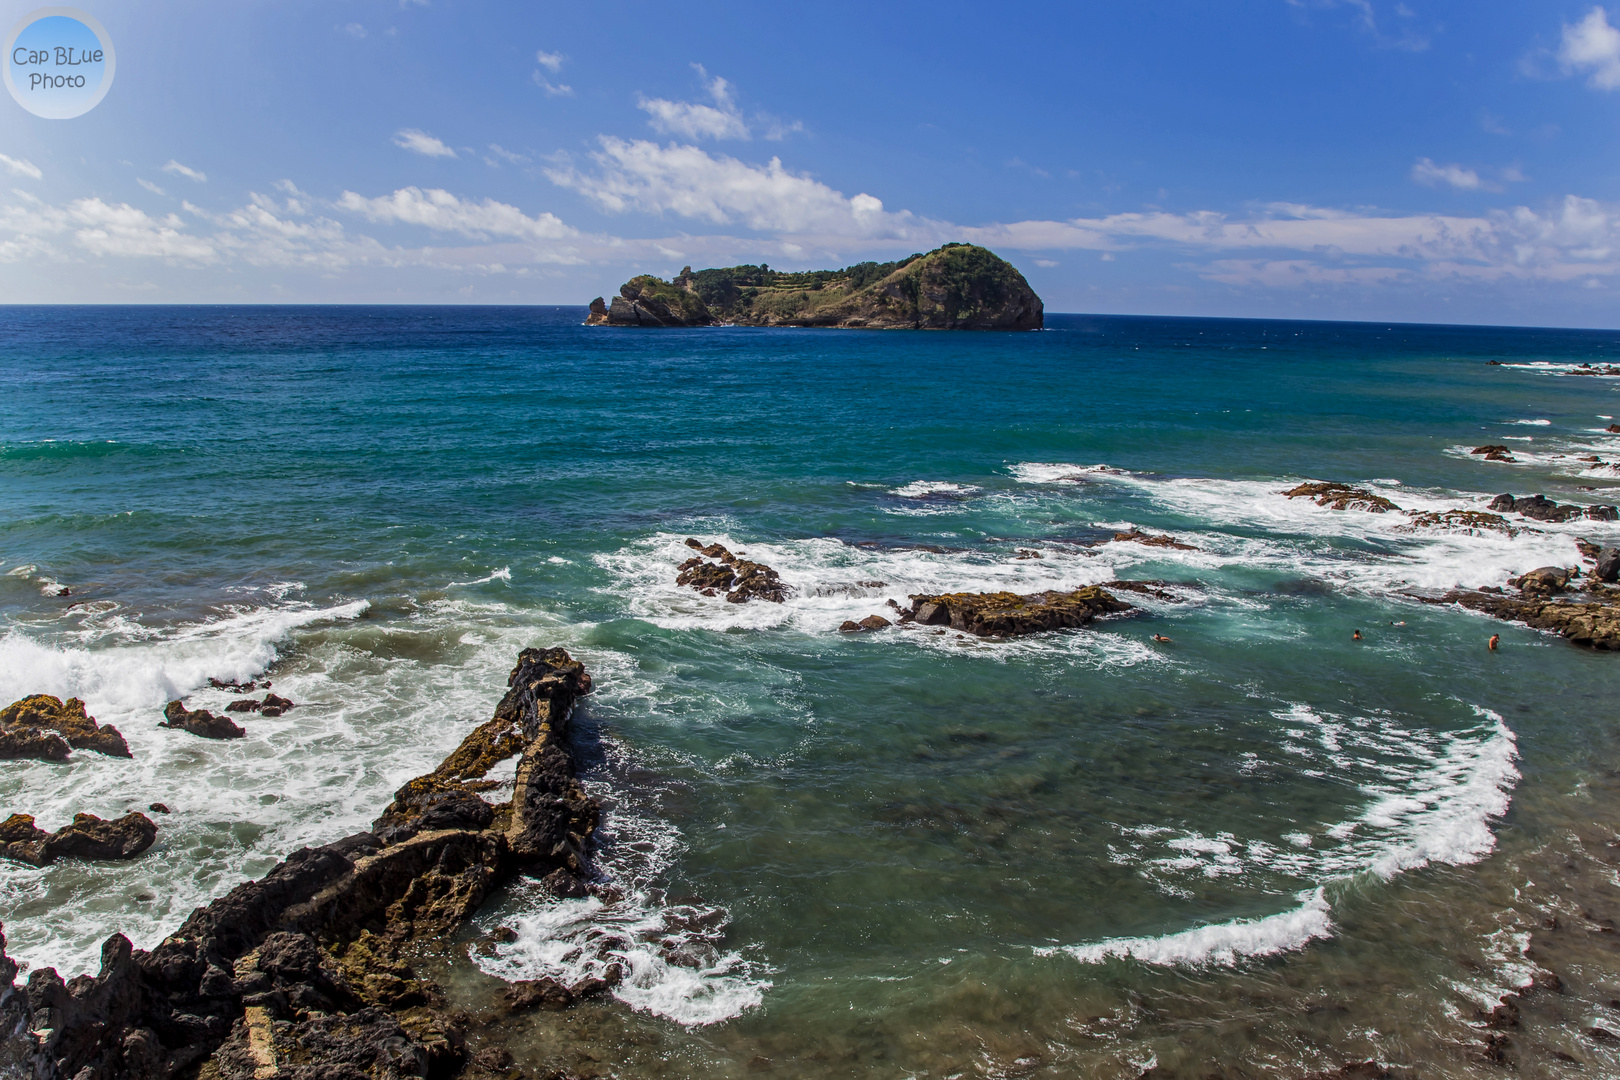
[1401, 623]
[1356, 636]
[1494, 639]
[1160, 637]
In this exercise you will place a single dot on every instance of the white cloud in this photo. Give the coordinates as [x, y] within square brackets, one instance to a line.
[440, 210]
[181, 170]
[1405, 37]
[1425, 171]
[551, 61]
[420, 142]
[498, 154]
[552, 89]
[688, 181]
[354, 30]
[21, 167]
[149, 186]
[1592, 45]
[99, 228]
[722, 120]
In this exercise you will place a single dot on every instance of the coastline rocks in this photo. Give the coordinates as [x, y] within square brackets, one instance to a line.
[1541, 508]
[1137, 536]
[1336, 496]
[599, 313]
[865, 626]
[301, 973]
[647, 301]
[26, 727]
[88, 837]
[272, 705]
[1594, 622]
[1470, 521]
[740, 579]
[1542, 581]
[1005, 614]
[1495, 453]
[1608, 565]
[199, 722]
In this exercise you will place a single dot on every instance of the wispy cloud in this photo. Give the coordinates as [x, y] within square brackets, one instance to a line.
[420, 142]
[721, 120]
[441, 211]
[149, 186]
[1425, 171]
[354, 30]
[1399, 33]
[688, 181]
[553, 63]
[21, 167]
[186, 171]
[499, 153]
[1592, 47]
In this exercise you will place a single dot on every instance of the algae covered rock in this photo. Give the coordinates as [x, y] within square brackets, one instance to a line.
[25, 726]
[648, 301]
[1005, 614]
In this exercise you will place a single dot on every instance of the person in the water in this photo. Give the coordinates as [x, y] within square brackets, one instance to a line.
[1494, 639]
[1356, 636]
[1160, 637]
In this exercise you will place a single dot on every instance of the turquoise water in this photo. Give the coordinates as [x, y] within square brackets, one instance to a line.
[1261, 847]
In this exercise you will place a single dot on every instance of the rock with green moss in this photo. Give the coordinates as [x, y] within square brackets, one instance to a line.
[955, 287]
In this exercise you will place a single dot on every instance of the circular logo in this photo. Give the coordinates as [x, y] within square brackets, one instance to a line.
[59, 63]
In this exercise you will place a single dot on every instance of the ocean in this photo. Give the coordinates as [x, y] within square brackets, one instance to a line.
[1261, 848]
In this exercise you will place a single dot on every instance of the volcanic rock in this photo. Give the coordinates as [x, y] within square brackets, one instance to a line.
[647, 301]
[1542, 581]
[1005, 614]
[1495, 449]
[1470, 521]
[1139, 537]
[1336, 496]
[88, 837]
[300, 974]
[739, 578]
[1594, 621]
[27, 721]
[1608, 565]
[599, 313]
[199, 722]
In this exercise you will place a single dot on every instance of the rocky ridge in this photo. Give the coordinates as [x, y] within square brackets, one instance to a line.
[301, 974]
[954, 287]
[740, 579]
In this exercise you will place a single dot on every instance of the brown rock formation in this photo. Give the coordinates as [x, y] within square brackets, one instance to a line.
[1005, 614]
[199, 722]
[740, 579]
[89, 837]
[1137, 536]
[1336, 496]
[1592, 619]
[25, 724]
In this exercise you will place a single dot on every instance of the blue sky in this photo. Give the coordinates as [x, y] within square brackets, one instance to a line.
[1357, 159]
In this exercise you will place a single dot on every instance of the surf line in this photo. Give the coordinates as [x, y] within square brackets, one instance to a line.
[1461, 834]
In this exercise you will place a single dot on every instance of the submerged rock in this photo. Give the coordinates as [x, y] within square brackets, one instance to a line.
[1336, 496]
[88, 837]
[199, 722]
[1541, 508]
[1470, 521]
[1005, 614]
[25, 724]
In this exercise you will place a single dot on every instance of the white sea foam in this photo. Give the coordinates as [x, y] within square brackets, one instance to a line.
[1039, 472]
[922, 489]
[1533, 423]
[369, 718]
[1220, 944]
[503, 574]
[1433, 797]
[672, 956]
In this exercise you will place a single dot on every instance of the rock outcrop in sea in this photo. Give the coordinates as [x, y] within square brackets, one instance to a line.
[88, 837]
[1006, 614]
[954, 287]
[301, 974]
[740, 579]
[47, 728]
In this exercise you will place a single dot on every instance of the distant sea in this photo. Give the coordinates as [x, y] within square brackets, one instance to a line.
[1259, 849]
